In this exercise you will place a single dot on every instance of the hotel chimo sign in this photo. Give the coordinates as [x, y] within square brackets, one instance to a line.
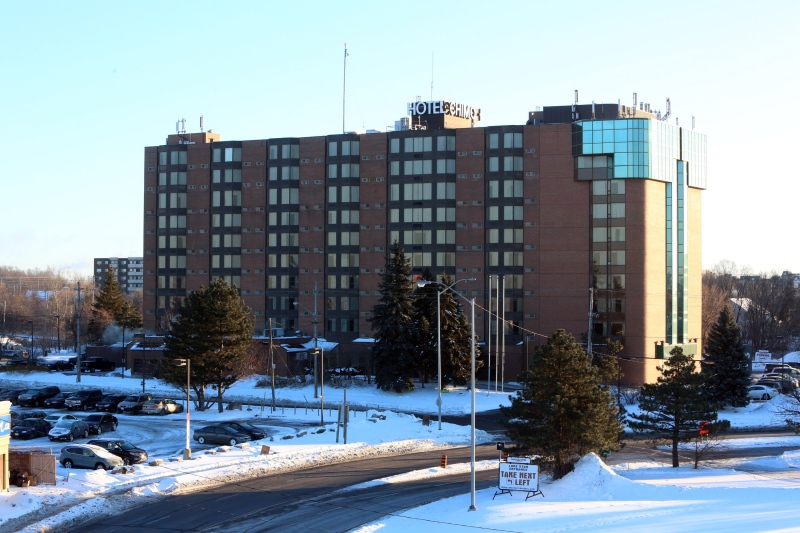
[442, 107]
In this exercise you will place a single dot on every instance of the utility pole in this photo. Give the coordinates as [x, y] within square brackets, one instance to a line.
[344, 88]
[78, 338]
[589, 331]
[271, 365]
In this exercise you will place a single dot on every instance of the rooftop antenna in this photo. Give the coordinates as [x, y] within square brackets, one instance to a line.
[201, 123]
[431, 76]
[574, 114]
[692, 121]
[344, 86]
[665, 117]
[634, 103]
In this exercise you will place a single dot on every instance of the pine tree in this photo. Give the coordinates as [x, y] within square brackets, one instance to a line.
[562, 412]
[424, 303]
[214, 329]
[107, 305]
[397, 341]
[725, 367]
[674, 406]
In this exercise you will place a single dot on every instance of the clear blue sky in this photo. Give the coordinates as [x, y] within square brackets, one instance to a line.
[87, 85]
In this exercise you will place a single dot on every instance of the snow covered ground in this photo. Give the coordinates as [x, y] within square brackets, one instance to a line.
[593, 498]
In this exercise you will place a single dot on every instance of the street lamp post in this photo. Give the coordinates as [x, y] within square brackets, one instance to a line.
[58, 331]
[779, 338]
[30, 346]
[317, 353]
[422, 283]
[473, 506]
[187, 452]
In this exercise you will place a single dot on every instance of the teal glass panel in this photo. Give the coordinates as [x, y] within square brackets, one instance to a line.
[608, 148]
[620, 158]
[587, 137]
[620, 136]
[608, 136]
[597, 136]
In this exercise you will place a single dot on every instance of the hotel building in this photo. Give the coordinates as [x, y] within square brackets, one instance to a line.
[589, 214]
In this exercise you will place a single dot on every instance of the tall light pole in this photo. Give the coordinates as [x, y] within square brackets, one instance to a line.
[187, 452]
[473, 506]
[422, 283]
[58, 331]
[317, 353]
[78, 337]
[30, 346]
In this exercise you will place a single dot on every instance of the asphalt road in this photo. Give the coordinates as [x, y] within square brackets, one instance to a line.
[304, 500]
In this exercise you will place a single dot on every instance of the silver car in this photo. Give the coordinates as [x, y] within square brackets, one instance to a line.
[69, 429]
[88, 456]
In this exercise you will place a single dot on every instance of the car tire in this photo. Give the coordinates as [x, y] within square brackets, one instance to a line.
[71, 437]
[85, 407]
[233, 442]
[99, 466]
[85, 433]
[113, 427]
[67, 463]
[765, 396]
[126, 461]
[201, 440]
[99, 430]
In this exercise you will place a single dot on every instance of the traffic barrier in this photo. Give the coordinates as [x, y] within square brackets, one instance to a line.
[444, 461]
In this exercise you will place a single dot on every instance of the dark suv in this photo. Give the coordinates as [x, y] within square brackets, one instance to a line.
[129, 453]
[36, 397]
[85, 399]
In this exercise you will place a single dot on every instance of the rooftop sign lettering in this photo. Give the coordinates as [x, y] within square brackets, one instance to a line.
[442, 107]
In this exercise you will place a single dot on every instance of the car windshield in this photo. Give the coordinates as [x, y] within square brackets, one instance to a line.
[125, 445]
[31, 391]
[131, 398]
[93, 418]
[27, 423]
[66, 424]
[247, 426]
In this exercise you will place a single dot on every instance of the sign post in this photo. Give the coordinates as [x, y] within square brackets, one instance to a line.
[518, 474]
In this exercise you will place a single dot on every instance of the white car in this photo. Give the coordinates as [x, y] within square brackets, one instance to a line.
[55, 419]
[760, 392]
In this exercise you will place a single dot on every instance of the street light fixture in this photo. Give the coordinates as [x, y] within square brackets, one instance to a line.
[473, 506]
[317, 353]
[421, 283]
[187, 452]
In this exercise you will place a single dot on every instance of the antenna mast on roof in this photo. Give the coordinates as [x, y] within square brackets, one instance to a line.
[344, 85]
[431, 76]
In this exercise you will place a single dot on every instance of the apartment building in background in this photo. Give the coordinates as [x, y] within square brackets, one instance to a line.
[129, 271]
[587, 216]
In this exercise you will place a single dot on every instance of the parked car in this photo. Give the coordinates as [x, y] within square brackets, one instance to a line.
[12, 396]
[56, 418]
[36, 397]
[133, 403]
[60, 365]
[218, 434]
[788, 384]
[69, 429]
[161, 407]
[110, 402]
[123, 449]
[88, 456]
[15, 417]
[57, 401]
[30, 428]
[255, 433]
[35, 414]
[84, 399]
[760, 392]
[100, 364]
[101, 422]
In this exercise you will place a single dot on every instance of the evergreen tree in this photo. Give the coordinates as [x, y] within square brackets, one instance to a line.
[674, 406]
[725, 367]
[107, 305]
[396, 349]
[129, 318]
[214, 329]
[562, 412]
[424, 304]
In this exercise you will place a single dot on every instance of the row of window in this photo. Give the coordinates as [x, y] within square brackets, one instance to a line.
[510, 164]
[422, 167]
[347, 216]
[609, 257]
[226, 155]
[286, 151]
[343, 260]
[423, 144]
[343, 148]
[510, 140]
[285, 239]
[421, 191]
[344, 170]
[172, 158]
[344, 238]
